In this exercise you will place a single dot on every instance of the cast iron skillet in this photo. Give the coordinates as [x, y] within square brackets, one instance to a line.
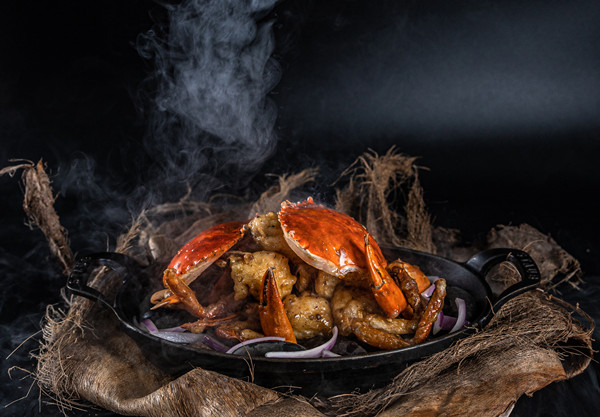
[328, 376]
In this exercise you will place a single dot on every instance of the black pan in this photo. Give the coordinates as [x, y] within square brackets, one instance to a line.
[327, 376]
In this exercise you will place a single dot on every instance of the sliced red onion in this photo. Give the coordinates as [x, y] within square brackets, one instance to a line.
[177, 329]
[180, 337]
[329, 354]
[448, 323]
[428, 292]
[315, 352]
[443, 322]
[257, 340]
[453, 324]
[462, 315]
[437, 324]
[214, 344]
[150, 326]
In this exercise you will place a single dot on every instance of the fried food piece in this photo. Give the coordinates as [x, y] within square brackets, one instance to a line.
[266, 231]
[325, 284]
[248, 269]
[349, 304]
[309, 315]
[306, 275]
[355, 311]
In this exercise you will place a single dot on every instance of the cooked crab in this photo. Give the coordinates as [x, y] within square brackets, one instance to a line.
[310, 236]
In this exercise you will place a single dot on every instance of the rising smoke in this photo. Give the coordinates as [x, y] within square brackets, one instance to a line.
[210, 126]
[211, 122]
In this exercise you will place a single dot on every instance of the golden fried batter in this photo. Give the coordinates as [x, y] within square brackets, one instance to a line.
[325, 284]
[306, 275]
[348, 304]
[266, 231]
[353, 307]
[248, 270]
[309, 315]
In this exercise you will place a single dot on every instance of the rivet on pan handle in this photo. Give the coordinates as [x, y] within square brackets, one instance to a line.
[483, 262]
[84, 265]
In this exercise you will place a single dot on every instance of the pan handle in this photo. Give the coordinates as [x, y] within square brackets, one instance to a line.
[485, 260]
[78, 279]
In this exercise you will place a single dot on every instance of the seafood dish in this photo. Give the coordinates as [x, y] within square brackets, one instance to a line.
[301, 276]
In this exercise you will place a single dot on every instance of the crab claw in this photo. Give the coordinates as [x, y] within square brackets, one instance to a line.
[163, 298]
[181, 293]
[386, 292]
[193, 259]
[273, 320]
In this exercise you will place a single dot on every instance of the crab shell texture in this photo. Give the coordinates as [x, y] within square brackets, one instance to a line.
[198, 254]
[326, 239]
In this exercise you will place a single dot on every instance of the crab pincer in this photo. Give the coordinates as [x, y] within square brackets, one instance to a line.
[273, 319]
[387, 294]
[190, 261]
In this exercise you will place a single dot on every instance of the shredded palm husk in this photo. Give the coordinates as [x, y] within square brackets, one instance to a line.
[377, 185]
[534, 340]
[38, 204]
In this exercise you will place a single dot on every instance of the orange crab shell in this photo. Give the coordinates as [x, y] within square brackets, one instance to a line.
[324, 238]
[199, 253]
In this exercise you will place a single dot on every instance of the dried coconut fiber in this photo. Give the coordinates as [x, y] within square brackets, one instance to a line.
[533, 340]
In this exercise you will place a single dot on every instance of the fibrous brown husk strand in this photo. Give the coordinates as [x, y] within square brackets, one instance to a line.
[271, 199]
[38, 203]
[418, 222]
[377, 185]
[533, 340]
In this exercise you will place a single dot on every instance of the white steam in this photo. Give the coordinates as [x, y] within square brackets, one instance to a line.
[211, 117]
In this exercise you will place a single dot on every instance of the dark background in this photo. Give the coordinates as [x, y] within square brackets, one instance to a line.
[500, 100]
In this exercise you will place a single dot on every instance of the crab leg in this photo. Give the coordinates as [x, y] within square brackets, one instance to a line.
[187, 297]
[436, 303]
[273, 320]
[193, 259]
[386, 292]
[376, 337]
